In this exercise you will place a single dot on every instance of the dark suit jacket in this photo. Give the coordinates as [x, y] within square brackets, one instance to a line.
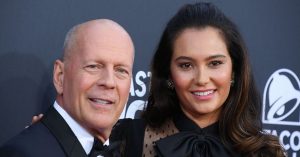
[51, 137]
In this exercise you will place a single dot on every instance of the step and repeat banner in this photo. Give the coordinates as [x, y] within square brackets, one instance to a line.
[32, 34]
[281, 108]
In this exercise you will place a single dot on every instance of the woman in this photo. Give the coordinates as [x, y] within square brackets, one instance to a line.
[203, 100]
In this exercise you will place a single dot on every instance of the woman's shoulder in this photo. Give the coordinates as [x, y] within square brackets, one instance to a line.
[125, 128]
[131, 133]
[137, 121]
[129, 124]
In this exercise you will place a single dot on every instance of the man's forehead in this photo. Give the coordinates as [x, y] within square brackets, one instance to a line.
[103, 36]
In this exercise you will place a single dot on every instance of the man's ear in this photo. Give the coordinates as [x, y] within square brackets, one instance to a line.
[58, 76]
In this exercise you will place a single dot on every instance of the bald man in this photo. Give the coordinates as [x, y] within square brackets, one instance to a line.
[92, 83]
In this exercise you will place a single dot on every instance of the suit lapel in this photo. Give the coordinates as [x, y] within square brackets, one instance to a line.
[63, 133]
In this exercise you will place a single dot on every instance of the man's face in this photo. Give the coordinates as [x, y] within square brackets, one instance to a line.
[96, 79]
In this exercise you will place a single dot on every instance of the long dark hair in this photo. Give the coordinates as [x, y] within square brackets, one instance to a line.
[239, 120]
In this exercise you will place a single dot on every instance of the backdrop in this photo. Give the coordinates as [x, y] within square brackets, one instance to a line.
[32, 34]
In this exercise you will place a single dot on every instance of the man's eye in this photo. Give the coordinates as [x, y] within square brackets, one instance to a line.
[92, 67]
[122, 71]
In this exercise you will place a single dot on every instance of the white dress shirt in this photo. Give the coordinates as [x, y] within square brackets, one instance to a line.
[85, 138]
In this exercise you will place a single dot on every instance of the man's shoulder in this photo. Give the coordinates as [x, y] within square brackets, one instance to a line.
[32, 141]
[32, 134]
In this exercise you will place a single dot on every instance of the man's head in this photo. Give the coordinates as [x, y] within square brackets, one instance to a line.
[93, 80]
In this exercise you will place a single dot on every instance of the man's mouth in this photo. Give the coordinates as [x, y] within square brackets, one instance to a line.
[101, 101]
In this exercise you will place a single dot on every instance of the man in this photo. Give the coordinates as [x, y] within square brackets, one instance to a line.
[92, 83]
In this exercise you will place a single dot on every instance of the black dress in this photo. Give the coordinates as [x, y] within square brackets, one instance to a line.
[189, 141]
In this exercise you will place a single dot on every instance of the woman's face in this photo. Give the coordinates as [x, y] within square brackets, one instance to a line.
[201, 70]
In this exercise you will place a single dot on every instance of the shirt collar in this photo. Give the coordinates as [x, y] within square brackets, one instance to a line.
[183, 123]
[85, 138]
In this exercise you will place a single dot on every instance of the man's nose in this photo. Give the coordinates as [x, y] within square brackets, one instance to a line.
[107, 78]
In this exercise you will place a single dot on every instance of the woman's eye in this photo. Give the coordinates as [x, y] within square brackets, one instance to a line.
[215, 63]
[185, 65]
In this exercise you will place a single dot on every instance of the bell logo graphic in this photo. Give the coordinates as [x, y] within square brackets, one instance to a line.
[281, 99]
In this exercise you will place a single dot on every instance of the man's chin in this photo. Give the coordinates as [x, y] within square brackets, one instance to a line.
[104, 123]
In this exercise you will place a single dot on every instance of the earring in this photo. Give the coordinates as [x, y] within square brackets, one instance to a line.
[231, 82]
[170, 84]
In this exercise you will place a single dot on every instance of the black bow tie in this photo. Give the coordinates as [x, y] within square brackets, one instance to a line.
[106, 151]
[98, 148]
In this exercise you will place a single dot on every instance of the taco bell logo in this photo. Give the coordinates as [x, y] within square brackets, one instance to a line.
[281, 99]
